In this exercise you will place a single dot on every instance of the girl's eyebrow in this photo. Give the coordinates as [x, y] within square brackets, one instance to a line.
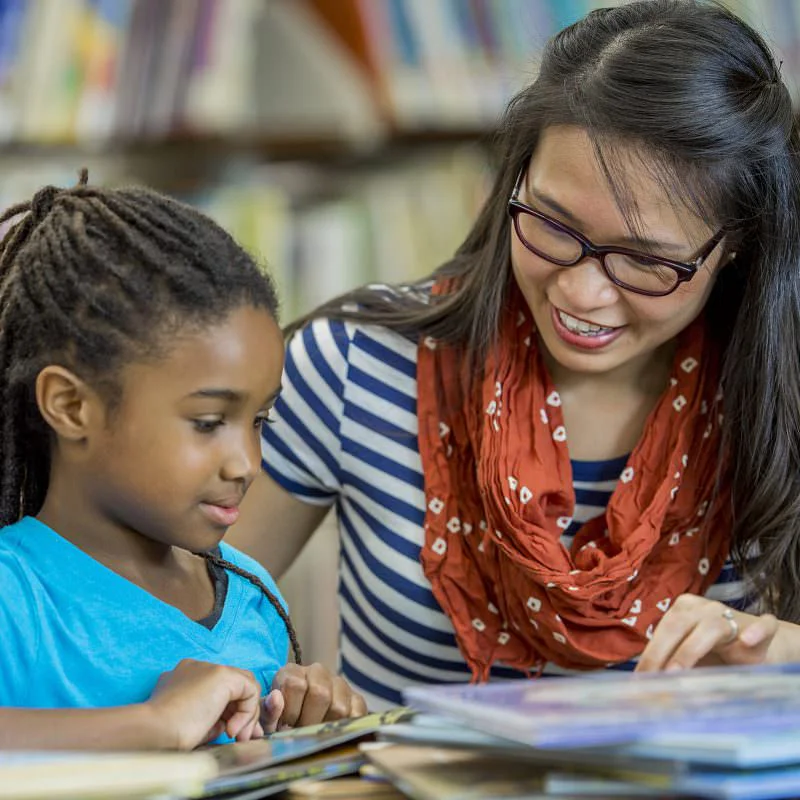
[556, 207]
[218, 394]
[231, 395]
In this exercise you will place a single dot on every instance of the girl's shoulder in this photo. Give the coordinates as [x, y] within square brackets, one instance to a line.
[19, 541]
[20, 579]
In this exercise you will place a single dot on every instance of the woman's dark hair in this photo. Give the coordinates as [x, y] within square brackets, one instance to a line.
[696, 94]
[92, 279]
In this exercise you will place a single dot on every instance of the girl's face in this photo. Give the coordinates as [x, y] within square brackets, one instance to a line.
[565, 182]
[177, 454]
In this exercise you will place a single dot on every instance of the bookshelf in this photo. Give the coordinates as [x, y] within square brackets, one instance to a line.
[288, 120]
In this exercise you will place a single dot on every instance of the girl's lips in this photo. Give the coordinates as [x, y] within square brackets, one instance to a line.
[223, 516]
[582, 342]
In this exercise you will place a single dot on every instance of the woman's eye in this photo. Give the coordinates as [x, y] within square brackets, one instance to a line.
[206, 425]
[646, 263]
[263, 418]
[554, 230]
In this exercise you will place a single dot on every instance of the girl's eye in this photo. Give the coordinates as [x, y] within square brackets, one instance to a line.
[206, 425]
[263, 418]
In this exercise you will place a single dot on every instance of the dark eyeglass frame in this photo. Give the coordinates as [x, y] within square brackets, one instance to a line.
[684, 272]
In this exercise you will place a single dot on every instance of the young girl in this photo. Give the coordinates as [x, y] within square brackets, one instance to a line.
[139, 355]
[574, 444]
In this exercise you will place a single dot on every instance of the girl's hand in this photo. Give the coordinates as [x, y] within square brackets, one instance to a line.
[701, 632]
[308, 695]
[197, 702]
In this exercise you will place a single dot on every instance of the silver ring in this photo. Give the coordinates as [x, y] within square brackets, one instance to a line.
[728, 615]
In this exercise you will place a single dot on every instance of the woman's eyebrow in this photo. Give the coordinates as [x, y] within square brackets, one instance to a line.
[557, 208]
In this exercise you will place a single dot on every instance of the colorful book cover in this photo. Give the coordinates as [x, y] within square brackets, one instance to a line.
[668, 752]
[609, 708]
[713, 784]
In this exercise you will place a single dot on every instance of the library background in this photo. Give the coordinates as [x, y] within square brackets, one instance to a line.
[341, 141]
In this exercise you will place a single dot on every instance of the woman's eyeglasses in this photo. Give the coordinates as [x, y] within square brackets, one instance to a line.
[630, 269]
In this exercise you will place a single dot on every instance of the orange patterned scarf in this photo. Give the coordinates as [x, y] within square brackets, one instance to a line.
[499, 494]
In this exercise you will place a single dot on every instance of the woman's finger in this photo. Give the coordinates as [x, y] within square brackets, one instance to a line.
[710, 633]
[676, 625]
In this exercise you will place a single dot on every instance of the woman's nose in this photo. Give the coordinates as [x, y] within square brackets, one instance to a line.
[585, 285]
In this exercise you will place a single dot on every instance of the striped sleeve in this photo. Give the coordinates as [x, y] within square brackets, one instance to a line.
[301, 445]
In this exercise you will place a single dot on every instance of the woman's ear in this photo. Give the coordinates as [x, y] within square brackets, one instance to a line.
[67, 403]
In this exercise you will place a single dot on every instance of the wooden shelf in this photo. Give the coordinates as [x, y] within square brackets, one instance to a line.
[274, 148]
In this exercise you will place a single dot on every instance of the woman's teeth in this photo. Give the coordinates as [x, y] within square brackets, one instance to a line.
[580, 327]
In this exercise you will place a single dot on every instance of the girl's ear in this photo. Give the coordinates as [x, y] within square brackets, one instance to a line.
[67, 403]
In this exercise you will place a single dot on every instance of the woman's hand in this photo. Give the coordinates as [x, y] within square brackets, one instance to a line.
[701, 632]
[308, 695]
[197, 702]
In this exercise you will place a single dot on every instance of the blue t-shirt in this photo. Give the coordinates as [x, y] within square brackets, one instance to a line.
[76, 634]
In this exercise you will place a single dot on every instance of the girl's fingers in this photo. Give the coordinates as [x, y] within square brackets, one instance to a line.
[292, 683]
[318, 697]
[272, 707]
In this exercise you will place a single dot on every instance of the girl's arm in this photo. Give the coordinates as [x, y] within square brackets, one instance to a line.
[124, 728]
[191, 705]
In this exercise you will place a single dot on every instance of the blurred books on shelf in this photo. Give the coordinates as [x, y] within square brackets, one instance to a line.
[355, 71]
[104, 71]
[110, 71]
[320, 237]
[342, 141]
[318, 232]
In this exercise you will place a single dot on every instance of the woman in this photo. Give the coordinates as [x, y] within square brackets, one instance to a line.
[529, 455]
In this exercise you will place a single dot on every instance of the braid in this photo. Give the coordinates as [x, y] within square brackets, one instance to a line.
[91, 278]
[256, 581]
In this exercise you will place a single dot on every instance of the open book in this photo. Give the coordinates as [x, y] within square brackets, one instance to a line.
[320, 751]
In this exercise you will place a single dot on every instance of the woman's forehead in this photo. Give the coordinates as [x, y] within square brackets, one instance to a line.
[622, 194]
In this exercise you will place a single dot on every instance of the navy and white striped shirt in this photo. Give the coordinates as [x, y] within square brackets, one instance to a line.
[345, 432]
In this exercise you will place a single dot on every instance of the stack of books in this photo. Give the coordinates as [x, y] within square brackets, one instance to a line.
[709, 733]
